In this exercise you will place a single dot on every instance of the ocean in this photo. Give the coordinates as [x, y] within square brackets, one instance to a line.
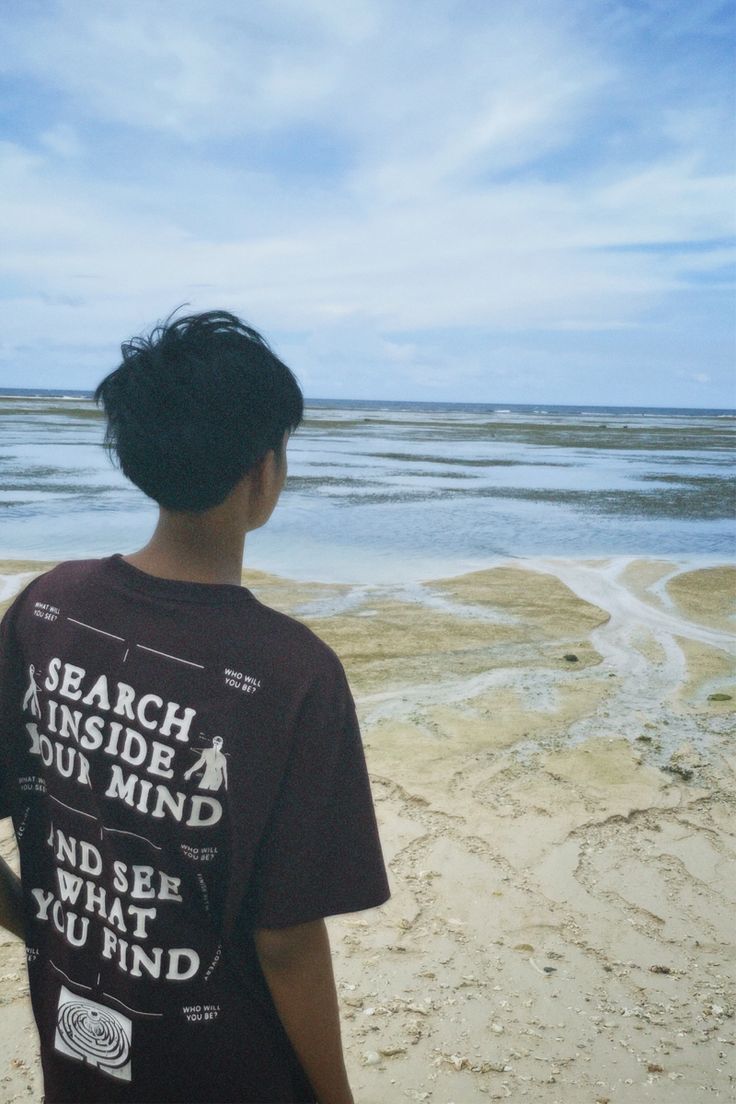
[388, 491]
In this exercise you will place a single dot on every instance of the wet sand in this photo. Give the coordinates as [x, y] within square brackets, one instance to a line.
[559, 830]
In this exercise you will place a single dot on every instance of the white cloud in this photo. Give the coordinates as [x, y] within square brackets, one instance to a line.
[63, 140]
[226, 69]
[443, 220]
[694, 377]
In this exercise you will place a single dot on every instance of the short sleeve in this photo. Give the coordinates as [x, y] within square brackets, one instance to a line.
[320, 854]
[10, 696]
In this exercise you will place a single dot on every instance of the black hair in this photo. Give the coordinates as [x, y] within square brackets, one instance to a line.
[194, 406]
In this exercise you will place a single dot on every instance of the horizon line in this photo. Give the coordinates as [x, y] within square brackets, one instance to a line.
[80, 392]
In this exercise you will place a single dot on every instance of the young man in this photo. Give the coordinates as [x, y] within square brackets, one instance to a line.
[183, 765]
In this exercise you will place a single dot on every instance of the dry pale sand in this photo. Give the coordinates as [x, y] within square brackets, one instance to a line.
[559, 831]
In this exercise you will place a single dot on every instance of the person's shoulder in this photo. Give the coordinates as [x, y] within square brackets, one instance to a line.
[74, 569]
[296, 645]
[36, 582]
[65, 573]
[36, 589]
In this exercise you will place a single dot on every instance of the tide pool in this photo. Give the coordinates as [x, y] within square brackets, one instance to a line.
[382, 492]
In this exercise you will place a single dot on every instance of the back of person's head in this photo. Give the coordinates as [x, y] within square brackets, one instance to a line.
[196, 405]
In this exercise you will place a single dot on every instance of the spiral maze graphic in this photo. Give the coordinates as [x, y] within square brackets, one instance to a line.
[97, 1035]
[93, 1033]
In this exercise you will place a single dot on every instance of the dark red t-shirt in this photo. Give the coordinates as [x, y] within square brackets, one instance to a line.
[182, 765]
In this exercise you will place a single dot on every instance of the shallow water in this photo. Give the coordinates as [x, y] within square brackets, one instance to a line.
[387, 492]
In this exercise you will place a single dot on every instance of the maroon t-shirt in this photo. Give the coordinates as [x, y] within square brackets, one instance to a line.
[182, 765]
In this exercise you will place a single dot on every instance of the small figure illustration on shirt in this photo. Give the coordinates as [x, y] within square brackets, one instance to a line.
[32, 694]
[215, 767]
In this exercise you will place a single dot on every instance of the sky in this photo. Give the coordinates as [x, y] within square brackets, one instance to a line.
[438, 200]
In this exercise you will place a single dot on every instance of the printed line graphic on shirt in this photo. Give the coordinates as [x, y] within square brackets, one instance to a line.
[134, 744]
[93, 1033]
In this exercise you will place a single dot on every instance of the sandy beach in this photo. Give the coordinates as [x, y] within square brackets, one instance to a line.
[551, 747]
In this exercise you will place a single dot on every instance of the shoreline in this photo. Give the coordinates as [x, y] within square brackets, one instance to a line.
[559, 833]
[433, 570]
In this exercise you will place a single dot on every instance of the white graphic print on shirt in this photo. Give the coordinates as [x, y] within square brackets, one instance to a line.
[93, 1033]
[86, 726]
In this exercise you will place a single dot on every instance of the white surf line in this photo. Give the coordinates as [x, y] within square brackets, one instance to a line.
[539, 688]
[135, 1011]
[71, 808]
[602, 589]
[12, 584]
[121, 832]
[616, 642]
[648, 684]
[641, 681]
[423, 594]
[659, 588]
[95, 629]
[331, 605]
[70, 980]
[166, 655]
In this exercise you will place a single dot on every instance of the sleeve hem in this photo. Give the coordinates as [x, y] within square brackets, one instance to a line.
[321, 911]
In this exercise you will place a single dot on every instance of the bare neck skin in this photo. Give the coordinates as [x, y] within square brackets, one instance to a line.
[208, 547]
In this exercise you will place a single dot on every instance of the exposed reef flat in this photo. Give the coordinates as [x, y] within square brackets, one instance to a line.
[551, 745]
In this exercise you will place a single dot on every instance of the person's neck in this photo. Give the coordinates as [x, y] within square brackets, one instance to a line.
[193, 548]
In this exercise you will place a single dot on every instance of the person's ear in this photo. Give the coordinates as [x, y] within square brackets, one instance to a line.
[270, 474]
[271, 466]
